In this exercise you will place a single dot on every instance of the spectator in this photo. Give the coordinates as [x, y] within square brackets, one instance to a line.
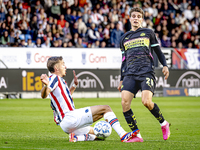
[62, 21]
[188, 13]
[70, 44]
[74, 29]
[92, 34]
[75, 6]
[2, 5]
[55, 10]
[96, 44]
[165, 41]
[38, 43]
[30, 44]
[105, 9]
[41, 15]
[68, 16]
[2, 15]
[23, 43]
[67, 37]
[82, 28]
[5, 40]
[103, 44]
[12, 37]
[66, 29]
[75, 39]
[64, 45]
[37, 6]
[63, 7]
[79, 44]
[96, 17]
[115, 36]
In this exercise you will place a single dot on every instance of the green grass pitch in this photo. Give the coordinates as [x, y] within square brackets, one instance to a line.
[28, 124]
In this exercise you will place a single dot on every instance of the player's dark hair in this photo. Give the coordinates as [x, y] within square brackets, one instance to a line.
[52, 61]
[136, 9]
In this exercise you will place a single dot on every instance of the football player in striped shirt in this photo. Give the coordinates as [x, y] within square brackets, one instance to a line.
[137, 71]
[75, 122]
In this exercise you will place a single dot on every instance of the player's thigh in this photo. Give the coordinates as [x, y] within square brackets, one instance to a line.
[130, 84]
[77, 119]
[148, 83]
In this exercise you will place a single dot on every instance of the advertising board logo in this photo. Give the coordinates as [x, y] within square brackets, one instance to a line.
[40, 58]
[30, 82]
[97, 59]
[83, 58]
[189, 79]
[3, 83]
[88, 82]
[28, 56]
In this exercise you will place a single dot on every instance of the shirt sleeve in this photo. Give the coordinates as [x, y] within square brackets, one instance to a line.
[123, 65]
[53, 82]
[156, 47]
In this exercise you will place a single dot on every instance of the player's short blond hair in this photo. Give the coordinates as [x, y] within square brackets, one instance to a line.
[52, 61]
[136, 9]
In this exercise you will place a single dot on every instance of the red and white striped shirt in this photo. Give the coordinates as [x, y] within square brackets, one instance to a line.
[61, 99]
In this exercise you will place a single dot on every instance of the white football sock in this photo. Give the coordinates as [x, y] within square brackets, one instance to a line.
[82, 137]
[164, 123]
[113, 121]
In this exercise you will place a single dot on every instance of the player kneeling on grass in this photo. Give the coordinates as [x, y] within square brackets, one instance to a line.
[75, 122]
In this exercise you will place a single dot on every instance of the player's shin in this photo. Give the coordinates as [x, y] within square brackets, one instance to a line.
[114, 122]
[157, 113]
[130, 119]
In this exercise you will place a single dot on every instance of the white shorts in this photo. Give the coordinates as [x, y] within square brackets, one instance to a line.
[77, 121]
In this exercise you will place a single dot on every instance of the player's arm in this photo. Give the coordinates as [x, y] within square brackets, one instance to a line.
[123, 65]
[72, 89]
[156, 47]
[162, 60]
[45, 90]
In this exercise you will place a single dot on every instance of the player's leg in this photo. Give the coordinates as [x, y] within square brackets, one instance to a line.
[129, 89]
[105, 111]
[82, 134]
[148, 86]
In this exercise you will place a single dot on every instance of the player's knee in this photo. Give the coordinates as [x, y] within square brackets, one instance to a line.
[124, 103]
[107, 108]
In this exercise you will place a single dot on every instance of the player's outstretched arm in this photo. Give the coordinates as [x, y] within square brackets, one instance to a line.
[72, 89]
[45, 90]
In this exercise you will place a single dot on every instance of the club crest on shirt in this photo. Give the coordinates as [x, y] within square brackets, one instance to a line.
[142, 34]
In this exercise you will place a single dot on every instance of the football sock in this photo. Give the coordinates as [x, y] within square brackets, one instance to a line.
[157, 113]
[114, 122]
[131, 120]
[86, 137]
[164, 123]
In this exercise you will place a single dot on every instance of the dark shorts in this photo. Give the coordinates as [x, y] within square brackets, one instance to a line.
[133, 84]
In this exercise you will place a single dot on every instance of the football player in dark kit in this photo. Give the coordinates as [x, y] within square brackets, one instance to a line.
[137, 71]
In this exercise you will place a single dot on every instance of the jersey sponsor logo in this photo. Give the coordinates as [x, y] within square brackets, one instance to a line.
[143, 41]
[142, 34]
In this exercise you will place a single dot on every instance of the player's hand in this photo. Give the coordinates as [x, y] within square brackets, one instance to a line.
[44, 79]
[75, 78]
[165, 71]
[119, 86]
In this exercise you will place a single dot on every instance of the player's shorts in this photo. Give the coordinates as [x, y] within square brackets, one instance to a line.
[134, 84]
[77, 121]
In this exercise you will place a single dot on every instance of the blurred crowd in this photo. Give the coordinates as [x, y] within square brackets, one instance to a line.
[95, 23]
